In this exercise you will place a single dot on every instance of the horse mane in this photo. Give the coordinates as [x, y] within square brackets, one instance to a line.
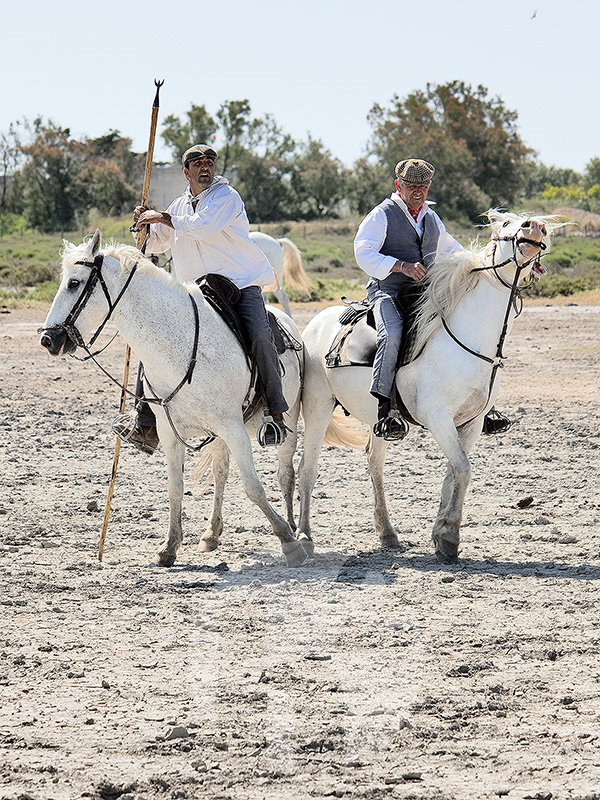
[447, 282]
[127, 255]
[451, 276]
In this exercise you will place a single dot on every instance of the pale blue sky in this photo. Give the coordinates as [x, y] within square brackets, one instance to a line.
[317, 66]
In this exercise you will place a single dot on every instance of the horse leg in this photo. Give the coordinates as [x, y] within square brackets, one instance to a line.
[286, 475]
[283, 298]
[376, 450]
[220, 469]
[175, 454]
[317, 414]
[456, 446]
[241, 450]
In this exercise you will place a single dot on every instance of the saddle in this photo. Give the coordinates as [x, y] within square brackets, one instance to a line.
[223, 295]
[355, 344]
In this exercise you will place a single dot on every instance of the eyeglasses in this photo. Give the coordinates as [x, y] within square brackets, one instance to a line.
[425, 185]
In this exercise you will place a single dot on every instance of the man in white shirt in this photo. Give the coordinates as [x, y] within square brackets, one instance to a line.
[395, 245]
[206, 229]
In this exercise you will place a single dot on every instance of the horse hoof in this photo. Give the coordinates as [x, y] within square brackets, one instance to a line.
[308, 545]
[446, 552]
[208, 545]
[390, 541]
[294, 553]
[165, 559]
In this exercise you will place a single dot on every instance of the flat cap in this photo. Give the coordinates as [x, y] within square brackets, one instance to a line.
[196, 152]
[415, 171]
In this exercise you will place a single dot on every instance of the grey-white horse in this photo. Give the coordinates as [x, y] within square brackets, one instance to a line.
[190, 355]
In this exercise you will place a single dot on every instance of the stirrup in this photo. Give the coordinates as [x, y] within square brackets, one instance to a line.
[271, 433]
[124, 425]
[392, 428]
[128, 429]
[495, 422]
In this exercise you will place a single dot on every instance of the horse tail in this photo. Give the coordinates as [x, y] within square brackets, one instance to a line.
[202, 467]
[293, 272]
[341, 432]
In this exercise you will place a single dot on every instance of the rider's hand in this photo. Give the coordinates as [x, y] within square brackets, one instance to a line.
[415, 271]
[151, 216]
[137, 213]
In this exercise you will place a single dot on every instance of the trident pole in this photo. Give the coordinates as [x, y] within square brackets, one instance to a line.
[139, 243]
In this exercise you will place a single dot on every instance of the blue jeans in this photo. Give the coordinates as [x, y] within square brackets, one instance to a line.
[253, 314]
[389, 322]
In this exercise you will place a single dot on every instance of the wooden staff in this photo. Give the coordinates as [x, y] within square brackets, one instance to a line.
[139, 243]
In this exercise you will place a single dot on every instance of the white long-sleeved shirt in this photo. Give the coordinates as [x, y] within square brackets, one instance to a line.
[213, 237]
[373, 230]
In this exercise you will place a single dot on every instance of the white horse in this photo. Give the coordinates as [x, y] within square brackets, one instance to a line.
[448, 388]
[286, 261]
[190, 355]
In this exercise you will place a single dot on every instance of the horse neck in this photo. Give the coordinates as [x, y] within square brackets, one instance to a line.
[156, 319]
[479, 316]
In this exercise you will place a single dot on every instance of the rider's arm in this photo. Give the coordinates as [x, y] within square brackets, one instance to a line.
[368, 242]
[213, 214]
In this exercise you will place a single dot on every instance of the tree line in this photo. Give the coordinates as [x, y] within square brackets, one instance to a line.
[53, 180]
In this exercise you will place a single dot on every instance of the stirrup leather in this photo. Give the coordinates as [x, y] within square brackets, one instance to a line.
[391, 428]
[271, 433]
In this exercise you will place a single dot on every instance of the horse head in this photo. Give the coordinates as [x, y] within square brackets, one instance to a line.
[518, 241]
[77, 308]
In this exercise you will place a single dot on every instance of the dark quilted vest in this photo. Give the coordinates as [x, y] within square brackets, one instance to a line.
[403, 242]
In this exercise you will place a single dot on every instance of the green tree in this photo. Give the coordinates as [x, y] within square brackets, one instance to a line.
[235, 132]
[367, 184]
[198, 127]
[10, 161]
[263, 171]
[539, 176]
[591, 176]
[471, 139]
[319, 180]
[53, 192]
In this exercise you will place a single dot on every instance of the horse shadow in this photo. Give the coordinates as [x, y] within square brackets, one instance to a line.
[371, 567]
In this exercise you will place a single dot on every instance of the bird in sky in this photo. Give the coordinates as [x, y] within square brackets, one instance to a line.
[534, 15]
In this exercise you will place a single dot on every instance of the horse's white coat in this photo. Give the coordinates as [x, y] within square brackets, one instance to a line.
[444, 388]
[286, 261]
[155, 317]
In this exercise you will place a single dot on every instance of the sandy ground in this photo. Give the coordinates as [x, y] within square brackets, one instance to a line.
[370, 674]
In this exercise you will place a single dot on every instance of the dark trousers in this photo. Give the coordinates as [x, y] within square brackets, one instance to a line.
[251, 308]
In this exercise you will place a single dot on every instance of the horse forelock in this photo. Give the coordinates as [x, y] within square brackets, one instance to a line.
[497, 220]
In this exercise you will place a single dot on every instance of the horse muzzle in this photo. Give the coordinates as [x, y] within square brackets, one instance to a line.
[56, 341]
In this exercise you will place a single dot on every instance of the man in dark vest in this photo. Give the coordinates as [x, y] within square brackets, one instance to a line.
[395, 245]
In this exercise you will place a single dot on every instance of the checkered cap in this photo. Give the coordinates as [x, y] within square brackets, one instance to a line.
[415, 171]
[196, 152]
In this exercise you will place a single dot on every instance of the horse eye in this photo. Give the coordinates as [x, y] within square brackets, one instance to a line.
[505, 223]
[73, 283]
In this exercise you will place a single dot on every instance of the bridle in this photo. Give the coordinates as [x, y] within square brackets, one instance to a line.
[515, 300]
[95, 277]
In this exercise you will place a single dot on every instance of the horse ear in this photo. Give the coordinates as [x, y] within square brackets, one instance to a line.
[93, 246]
